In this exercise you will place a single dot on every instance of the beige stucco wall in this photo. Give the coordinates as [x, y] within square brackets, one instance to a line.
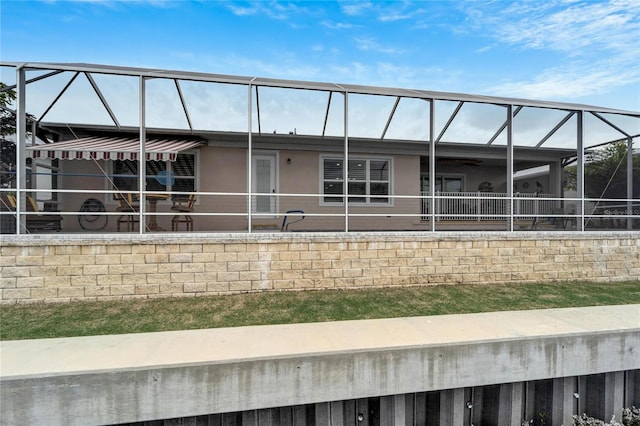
[222, 180]
[131, 266]
[222, 173]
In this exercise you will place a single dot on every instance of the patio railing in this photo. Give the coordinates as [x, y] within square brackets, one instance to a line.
[482, 206]
[227, 212]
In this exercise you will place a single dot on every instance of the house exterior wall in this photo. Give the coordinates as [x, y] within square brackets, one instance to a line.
[76, 174]
[224, 170]
[222, 180]
[528, 185]
[121, 266]
[474, 175]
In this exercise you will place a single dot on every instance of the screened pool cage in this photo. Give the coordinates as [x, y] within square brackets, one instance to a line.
[248, 154]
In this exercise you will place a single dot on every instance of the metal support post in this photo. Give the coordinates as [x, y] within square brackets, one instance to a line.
[432, 165]
[249, 159]
[510, 166]
[580, 171]
[629, 183]
[345, 167]
[21, 152]
[142, 159]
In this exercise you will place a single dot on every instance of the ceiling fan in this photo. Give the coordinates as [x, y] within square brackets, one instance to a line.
[460, 161]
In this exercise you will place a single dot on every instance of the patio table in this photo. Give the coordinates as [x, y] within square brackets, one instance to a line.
[153, 199]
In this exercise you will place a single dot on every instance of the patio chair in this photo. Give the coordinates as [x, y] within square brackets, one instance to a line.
[41, 222]
[183, 206]
[7, 202]
[128, 206]
[286, 222]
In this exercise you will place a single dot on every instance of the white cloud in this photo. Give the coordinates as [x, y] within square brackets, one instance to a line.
[243, 11]
[486, 48]
[355, 8]
[372, 45]
[612, 26]
[405, 13]
[272, 9]
[574, 80]
[598, 44]
[111, 3]
[287, 68]
[337, 25]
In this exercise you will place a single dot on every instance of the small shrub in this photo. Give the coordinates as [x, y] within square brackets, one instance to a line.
[585, 420]
[630, 417]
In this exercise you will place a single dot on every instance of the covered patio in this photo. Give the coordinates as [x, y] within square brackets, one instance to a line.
[248, 154]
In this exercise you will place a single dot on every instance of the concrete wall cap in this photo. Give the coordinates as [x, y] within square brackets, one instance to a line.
[77, 355]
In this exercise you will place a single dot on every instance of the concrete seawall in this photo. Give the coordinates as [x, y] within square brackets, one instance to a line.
[143, 377]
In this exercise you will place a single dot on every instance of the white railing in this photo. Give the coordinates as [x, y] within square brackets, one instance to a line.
[486, 205]
[226, 211]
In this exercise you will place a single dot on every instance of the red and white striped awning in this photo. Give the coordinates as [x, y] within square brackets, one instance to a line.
[109, 148]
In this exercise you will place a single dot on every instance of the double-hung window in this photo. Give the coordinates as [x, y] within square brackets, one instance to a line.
[369, 180]
[176, 176]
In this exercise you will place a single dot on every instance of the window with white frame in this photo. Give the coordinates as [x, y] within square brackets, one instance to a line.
[183, 173]
[42, 175]
[369, 180]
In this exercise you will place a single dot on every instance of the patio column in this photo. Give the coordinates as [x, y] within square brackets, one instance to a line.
[580, 170]
[629, 183]
[21, 152]
[346, 162]
[142, 159]
[510, 166]
[432, 166]
[555, 181]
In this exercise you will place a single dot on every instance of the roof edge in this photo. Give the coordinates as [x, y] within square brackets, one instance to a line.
[309, 85]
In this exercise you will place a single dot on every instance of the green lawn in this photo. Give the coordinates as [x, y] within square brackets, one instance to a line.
[93, 318]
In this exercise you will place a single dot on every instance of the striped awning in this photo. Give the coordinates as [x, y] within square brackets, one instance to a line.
[110, 148]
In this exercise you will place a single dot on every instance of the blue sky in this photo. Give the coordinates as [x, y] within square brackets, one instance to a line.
[575, 51]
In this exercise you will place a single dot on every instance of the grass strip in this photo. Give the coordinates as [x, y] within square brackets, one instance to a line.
[35, 321]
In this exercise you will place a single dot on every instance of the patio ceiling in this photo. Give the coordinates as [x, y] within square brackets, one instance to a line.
[461, 118]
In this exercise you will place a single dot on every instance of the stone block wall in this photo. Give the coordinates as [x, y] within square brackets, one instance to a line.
[64, 268]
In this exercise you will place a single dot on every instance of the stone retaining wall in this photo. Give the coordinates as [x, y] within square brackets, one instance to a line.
[56, 268]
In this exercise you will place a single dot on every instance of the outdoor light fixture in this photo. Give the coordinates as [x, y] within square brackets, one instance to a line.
[360, 417]
[469, 404]
[576, 395]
